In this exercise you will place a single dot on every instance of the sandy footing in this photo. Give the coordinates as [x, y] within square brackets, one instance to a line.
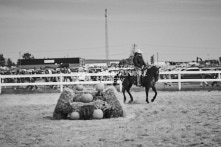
[175, 119]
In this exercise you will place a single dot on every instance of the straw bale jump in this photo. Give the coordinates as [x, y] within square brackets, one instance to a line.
[85, 105]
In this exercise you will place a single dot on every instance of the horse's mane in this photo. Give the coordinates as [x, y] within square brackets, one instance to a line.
[153, 71]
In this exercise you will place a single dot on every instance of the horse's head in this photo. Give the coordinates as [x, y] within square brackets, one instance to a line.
[156, 72]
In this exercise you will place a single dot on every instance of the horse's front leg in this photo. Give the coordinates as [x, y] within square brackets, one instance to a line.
[123, 90]
[155, 90]
[147, 92]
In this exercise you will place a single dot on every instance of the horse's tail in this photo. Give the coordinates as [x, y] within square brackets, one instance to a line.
[116, 77]
[128, 75]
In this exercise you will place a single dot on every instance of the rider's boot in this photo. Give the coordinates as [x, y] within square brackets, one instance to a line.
[138, 81]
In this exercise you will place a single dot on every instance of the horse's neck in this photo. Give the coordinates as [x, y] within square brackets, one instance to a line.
[152, 73]
[148, 72]
[145, 70]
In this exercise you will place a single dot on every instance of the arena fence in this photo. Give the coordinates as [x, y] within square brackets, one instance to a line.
[106, 78]
[180, 80]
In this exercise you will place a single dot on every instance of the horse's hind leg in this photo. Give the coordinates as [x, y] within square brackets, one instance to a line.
[155, 90]
[131, 97]
[147, 92]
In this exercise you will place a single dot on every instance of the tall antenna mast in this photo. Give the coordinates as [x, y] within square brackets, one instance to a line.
[106, 37]
[133, 48]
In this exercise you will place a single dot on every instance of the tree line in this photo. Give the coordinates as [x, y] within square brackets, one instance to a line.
[9, 63]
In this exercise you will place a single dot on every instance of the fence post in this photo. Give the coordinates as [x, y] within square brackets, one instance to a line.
[61, 85]
[0, 84]
[120, 86]
[179, 81]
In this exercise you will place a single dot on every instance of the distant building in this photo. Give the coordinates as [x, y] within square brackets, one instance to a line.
[50, 63]
[100, 62]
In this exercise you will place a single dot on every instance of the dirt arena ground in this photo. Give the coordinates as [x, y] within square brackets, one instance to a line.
[176, 118]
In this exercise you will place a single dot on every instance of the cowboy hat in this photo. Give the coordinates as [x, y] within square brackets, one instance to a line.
[139, 51]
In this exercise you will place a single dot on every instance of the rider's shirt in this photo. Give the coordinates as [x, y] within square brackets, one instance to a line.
[138, 60]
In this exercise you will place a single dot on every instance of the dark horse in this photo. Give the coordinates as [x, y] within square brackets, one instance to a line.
[148, 81]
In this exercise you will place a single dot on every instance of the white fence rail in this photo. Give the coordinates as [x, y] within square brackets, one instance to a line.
[179, 74]
[109, 76]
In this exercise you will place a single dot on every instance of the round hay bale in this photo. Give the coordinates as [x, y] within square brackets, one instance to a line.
[75, 116]
[99, 87]
[63, 107]
[86, 98]
[79, 87]
[98, 114]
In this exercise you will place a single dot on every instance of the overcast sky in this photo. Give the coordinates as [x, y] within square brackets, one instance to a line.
[178, 30]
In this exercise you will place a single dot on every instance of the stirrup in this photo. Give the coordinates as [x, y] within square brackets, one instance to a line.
[139, 85]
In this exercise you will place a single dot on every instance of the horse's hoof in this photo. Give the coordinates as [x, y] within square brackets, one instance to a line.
[153, 100]
[147, 102]
[130, 102]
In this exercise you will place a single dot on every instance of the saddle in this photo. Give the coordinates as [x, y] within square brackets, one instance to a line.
[143, 73]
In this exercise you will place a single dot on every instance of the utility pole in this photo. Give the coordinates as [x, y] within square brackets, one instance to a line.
[132, 53]
[133, 48]
[157, 58]
[19, 60]
[106, 37]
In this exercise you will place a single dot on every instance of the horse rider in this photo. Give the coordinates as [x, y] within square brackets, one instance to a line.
[139, 64]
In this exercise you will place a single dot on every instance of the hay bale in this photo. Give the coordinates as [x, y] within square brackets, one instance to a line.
[107, 101]
[77, 97]
[98, 104]
[63, 106]
[78, 94]
[76, 106]
[99, 96]
[105, 107]
[84, 109]
[112, 98]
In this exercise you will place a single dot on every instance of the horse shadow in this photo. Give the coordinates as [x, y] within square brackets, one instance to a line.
[48, 117]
